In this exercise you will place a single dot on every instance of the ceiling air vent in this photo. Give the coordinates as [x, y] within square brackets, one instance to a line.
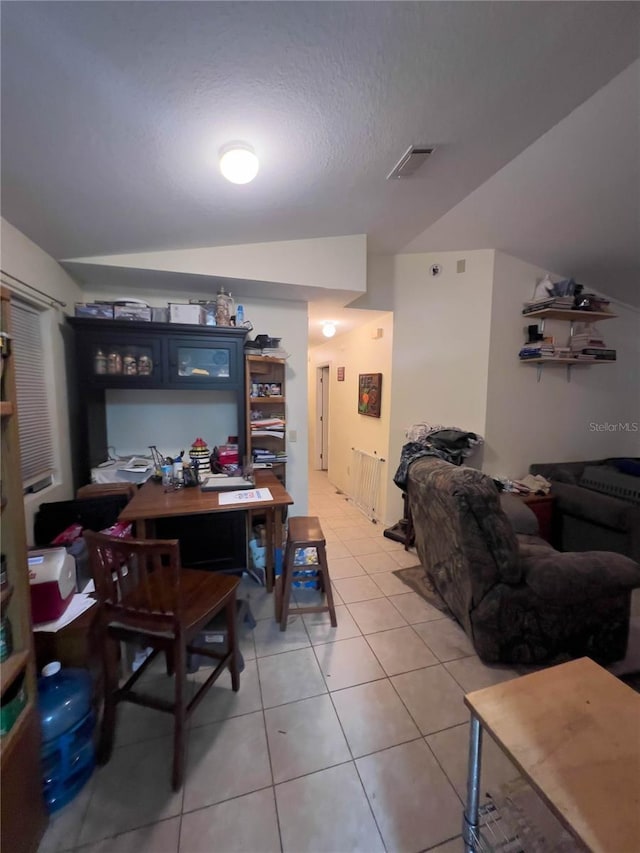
[410, 162]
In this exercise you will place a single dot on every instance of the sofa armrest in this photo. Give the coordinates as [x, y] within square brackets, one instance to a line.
[605, 510]
[569, 578]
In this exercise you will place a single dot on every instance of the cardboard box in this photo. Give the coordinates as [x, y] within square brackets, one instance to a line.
[132, 312]
[99, 310]
[184, 313]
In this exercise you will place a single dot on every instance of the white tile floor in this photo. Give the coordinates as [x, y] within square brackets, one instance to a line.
[340, 739]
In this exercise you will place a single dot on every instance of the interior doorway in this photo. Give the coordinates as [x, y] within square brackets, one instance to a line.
[322, 418]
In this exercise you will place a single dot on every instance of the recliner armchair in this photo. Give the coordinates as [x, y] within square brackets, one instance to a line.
[518, 599]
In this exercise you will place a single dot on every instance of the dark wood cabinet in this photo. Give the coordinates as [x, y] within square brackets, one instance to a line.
[118, 354]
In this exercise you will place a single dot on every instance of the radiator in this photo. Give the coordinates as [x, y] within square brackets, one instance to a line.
[365, 481]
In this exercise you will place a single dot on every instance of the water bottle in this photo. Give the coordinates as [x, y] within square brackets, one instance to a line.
[239, 315]
[167, 477]
[68, 721]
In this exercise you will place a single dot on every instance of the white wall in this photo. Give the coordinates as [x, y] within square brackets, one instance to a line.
[334, 263]
[359, 351]
[549, 421]
[277, 318]
[26, 261]
[441, 341]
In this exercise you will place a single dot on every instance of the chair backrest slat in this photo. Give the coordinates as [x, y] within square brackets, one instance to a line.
[135, 577]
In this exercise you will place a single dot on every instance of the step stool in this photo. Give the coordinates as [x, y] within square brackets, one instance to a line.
[303, 532]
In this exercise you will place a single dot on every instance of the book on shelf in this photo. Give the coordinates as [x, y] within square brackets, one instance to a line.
[561, 302]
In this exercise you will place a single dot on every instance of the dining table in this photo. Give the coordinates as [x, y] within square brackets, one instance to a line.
[153, 502]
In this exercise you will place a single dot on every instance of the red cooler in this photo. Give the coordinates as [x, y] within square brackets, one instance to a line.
[52, 579]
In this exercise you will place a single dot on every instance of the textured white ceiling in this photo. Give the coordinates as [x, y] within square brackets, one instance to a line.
[570, 203]
[112, 113]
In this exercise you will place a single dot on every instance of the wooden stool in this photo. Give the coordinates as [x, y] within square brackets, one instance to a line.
[303, 532]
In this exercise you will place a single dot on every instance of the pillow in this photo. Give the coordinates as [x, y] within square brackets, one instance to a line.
[627, 466]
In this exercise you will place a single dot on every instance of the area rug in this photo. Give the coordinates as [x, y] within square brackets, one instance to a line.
[416, 578]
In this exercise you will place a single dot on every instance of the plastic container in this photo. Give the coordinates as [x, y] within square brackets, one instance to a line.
[68, 722]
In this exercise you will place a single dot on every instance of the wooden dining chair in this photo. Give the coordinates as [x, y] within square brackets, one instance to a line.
[144, 593]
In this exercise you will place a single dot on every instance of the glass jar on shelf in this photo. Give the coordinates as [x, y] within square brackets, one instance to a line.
[114, 362]
[99, 363]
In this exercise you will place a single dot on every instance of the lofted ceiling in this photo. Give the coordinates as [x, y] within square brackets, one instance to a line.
[113, 113]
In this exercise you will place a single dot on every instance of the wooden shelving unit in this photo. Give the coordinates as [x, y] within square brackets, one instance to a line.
[23, 818]
[261, 371]
[570, 316]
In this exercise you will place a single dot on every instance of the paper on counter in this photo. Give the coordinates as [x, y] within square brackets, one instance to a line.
[247, 496]
[79, 603]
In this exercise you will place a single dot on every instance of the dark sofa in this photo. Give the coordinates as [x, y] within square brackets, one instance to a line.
[518, 599]
[597, 505]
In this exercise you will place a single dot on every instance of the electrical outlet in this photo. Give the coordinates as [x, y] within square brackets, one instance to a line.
[461, 265]
[293, 435]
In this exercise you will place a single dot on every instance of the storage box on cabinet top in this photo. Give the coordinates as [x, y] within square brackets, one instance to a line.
[132, 312]
[99, 310]
[184, 313]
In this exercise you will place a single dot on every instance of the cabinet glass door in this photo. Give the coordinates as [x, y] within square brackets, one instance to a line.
[196, 363]
[118, 361]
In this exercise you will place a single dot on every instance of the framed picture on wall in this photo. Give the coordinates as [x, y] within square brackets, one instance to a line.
[369, 394]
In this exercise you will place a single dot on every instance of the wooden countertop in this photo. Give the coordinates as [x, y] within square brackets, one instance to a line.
[574, 731]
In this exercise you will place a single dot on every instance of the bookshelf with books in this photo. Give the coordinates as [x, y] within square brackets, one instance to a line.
[585, 345]
[266, 413]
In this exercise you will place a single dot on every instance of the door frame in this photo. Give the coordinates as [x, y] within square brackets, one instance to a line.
[321, 450]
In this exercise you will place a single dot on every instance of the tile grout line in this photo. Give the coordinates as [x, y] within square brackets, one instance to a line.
[266, 737]
[353, 761]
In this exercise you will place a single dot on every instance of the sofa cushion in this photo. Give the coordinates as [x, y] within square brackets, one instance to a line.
[609, 481]
[578, 577]
[597, 508]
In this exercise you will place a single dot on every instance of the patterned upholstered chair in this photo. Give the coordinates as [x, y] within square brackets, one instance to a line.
[518, 599]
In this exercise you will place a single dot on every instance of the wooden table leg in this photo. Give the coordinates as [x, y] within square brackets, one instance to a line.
[140, 528]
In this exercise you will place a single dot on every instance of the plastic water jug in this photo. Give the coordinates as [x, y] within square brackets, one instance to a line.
[68, 721]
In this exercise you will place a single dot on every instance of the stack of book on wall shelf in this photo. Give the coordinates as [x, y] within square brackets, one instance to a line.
[588, 345]
[562, 302]
[544, 349]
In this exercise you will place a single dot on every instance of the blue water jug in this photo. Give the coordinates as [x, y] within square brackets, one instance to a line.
[68, 721]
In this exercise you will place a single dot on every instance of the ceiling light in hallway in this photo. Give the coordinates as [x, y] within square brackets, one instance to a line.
[328, 329]
[238, 163]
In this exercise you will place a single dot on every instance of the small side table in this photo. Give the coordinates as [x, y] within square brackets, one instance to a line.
[542, 507]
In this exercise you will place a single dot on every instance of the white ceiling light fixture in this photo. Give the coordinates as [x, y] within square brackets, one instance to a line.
[238, 162]
[328, 329]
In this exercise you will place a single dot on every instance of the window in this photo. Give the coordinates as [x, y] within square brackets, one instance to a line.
[36, 447]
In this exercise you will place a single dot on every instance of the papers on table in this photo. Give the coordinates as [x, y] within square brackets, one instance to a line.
[79, 603]
[247, 496]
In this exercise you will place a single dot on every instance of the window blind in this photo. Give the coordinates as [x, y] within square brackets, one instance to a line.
[36, 447]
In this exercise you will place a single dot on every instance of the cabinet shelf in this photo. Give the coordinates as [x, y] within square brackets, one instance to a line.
[11, 668]
[262, 400]
[570, 315]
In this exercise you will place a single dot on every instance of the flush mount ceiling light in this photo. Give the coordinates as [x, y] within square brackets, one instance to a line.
[328, 329]
[238, 162]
